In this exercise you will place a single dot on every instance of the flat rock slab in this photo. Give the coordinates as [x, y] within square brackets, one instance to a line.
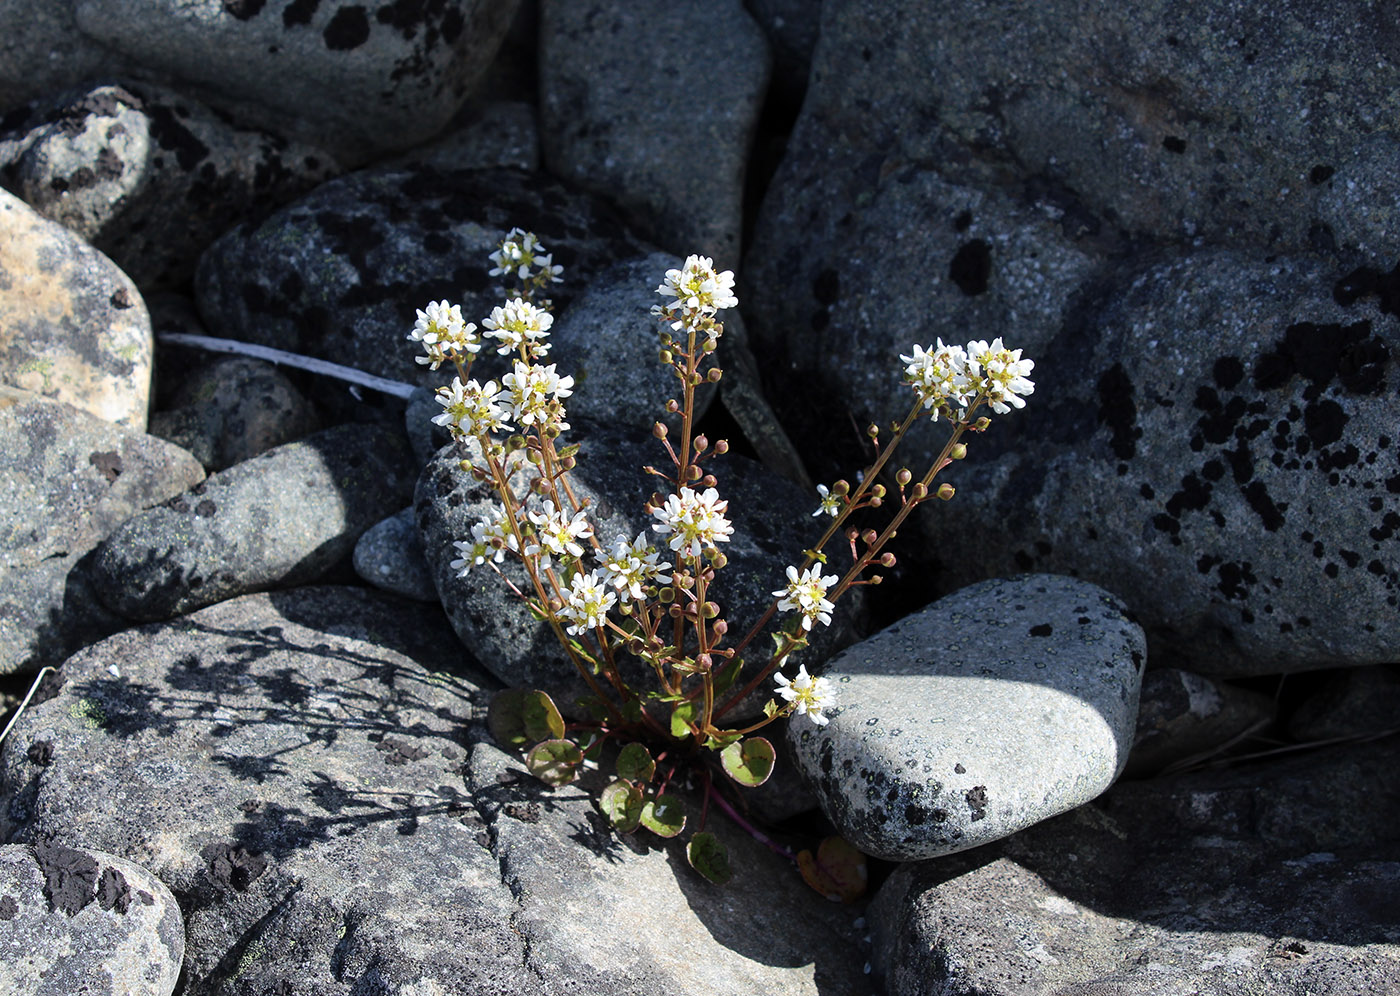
[79, 921]
[306, 770]
[994, 708]
[1275, 878]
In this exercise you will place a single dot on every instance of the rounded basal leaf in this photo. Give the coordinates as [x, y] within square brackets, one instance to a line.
[837, 870]
[554, 762]
[518, 716]
[622, 805]
[681, 717]
[749, 762]
[635, 764]
[664, 815]
[708, 856]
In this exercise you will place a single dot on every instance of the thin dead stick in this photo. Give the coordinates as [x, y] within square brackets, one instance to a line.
[324, 367]
[1355, 738]
[20, 711]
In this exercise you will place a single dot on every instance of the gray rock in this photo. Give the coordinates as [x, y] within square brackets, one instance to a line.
[1271, 878]
[1182, 715]
[340, 273]
[280, 519]
[344, 77]
[149, 176]
[792, 27]
[67, 479]
[42, 51]
[1359, 702]
[1216, 440]
[483, 135]
[772, 525]
[994, 708]
[306, 771]
[232, 410]
[635, 107]
[72, 326]
[80, 921]
[390, 556]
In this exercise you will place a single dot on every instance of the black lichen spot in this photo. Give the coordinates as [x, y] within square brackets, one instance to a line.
[1174, 143]
[113, 892]
[525, 812]
[1320, 174]
[205, 509]
[1364, 281]
[40, 752]
[1118, 411]
[1322, 353]
[70, 877]
[349, 29]
[172, 135]
[971, 267]
[1235, 579]
[1324, 422]
[398, 753]
[230, 865]
[1044, 629]
[963, 221]
[121, 299]
[299, 12]
[976, 802]
[1227, 372]
[9, 907]
[1258, 497]
[959, 769]
[244, 10]
[108, 464]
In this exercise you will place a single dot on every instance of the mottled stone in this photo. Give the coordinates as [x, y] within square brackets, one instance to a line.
[1274, 877]
[282, 518]
[483, 135]
[1182, 715]
[81, 921]
[42, 51]
[72, 326]
[67, 479]
[635, 107]
[390, 556]
[994, 708]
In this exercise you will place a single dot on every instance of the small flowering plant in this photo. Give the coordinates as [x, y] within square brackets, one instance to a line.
[656, 597]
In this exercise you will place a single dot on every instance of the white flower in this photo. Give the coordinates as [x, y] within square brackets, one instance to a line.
[556, 535]
[831, 504]
[695, 518]
[471, 409]
[443, 334]
[806, 593]
[521, 250]
[490, 540]
[520, 326]
[939, 375]
[810, 695]
[635, 565]
[587, 602]
[535, 393]
[698, 292]
[1001, 373]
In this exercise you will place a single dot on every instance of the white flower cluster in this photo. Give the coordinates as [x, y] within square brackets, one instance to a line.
[521, 327]
[472, 409]
[587, 602]
[557, 534]
[536, 395]
[810, 695]
[944, 376]
[694, 520]
[520, 254]
[444, 335]
[698, 293]
[635, 566]
[830, 503]
[491, 538]
[806, 593]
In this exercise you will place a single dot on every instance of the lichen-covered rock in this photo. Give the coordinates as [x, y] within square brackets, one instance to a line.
[280, 519]
[81, 921]
[485, 134]
[1182, 715]
[72, 326]
[655, 106]
[306, 771]
[349, 77]
[67, 479]
[340, 273]
[149, 176]
[994, 708]
[42, 52]
[1275, 877]
[1216, 441]
[390, 556]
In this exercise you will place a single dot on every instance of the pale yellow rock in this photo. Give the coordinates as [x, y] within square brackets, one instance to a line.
[73, 326]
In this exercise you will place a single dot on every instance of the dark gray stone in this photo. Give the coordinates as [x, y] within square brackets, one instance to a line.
[994, 708]
[67, 480]
[1183, 716]
[390, 556]
[1274, 877]
[1359, 702]
[280, 519]
[655, 106]
[484, 134]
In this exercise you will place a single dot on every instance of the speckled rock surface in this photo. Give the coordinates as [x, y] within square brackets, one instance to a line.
[149, 176]
[1275, 878]
[280, 519]
[992, 709]
[1183, 715]
[1363, 701]
[772, 525]
[484, 134]
[306, 771]
[42, 52]
[79, 921]
[234, 409]
[622, 115]
[390, 556]
[355, 79]
[67, 479]
[1217, 442]
[340, 273]
[72, 325]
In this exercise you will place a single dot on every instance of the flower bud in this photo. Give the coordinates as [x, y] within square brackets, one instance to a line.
[664, 356]
[720, 561]
[918, 492]
[673, 406]
[722, 447]
[959, 451]
[533, 455]
[710, 610]
[869, 536]
[876, 502]
[719, 627]
[693, 473]
[568, 463]
[702, 443]
[714, 375]
[708, 481]
[659, 430]
[876, 579]
[904, 477]
[840, 488]
[665, 595]
[872, 430]
[981, 424]
[877, 490]
[887, 559]
[945, 491]
[705, 662]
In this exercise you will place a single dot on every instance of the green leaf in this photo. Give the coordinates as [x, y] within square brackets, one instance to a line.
[837, 871]
[727, 675]
[708, 856]
[621, 803]
[664, 815]
[719, 741]
[749, 762]
[554, 762]
[681, 717]
[518, 716]
[635, 764]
